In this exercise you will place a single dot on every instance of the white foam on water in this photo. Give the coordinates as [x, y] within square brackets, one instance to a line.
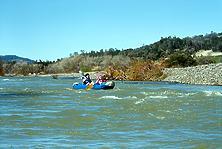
[166, 94]
[190, 94]
[26, 89]
[158, 97]
[218, 93]
[144, 93]
[1, 88]
[79, 92]
[46, 92]
[186, 103]
[208, 93]
[130, 97]
[5, 79]
[160, 117]
[212, 93]
[178, 110]
[181, 96]
[167, 111]
[148, 93]
[139, 101]
[110, 97]
[151, 114]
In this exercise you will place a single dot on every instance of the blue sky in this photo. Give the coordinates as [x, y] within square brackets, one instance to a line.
[51, 29]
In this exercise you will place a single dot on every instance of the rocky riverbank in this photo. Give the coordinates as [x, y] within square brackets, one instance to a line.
[204, 74]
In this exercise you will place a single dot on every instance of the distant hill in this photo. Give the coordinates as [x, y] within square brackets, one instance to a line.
[12, 58]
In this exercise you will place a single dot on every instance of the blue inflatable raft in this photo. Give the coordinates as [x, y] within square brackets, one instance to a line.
[104, 86]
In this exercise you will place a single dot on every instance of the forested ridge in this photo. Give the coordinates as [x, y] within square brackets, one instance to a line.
[167, 46]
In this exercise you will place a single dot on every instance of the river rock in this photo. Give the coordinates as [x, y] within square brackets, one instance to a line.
[203, 74]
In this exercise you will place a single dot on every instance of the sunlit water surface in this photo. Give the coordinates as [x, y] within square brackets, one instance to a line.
[41, 112]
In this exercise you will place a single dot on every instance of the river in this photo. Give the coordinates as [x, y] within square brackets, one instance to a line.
[41, 112]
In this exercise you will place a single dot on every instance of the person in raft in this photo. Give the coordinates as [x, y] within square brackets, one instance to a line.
[86, 79]
[101, 79]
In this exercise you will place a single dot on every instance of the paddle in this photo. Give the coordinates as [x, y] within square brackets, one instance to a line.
[90, 86]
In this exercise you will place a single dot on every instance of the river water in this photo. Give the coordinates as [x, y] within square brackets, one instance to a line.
[41, 112]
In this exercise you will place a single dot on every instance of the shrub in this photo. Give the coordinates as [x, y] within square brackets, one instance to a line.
[85, 68]
[144, 70]
[180, 59]
[115, 73]
[21, 68]
[137, 70]
[203, 60]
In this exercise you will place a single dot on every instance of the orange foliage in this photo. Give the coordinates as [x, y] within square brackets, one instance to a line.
[115, 73]
[138, 70]
[1, 72]
[144, 70]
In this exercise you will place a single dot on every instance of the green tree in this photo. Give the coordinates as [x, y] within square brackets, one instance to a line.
[180, 59]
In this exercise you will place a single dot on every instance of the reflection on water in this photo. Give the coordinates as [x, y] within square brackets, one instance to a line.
[40, 112]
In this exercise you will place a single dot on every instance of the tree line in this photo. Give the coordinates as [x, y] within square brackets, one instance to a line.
[167, 46]
[124, 64]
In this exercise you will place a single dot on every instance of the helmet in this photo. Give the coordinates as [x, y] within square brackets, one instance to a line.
[86, 75]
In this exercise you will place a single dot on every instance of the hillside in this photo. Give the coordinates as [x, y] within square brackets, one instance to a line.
[14, 58]
[167, 46]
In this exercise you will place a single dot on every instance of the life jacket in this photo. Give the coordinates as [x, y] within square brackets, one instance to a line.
[87, 80]
[101, 81]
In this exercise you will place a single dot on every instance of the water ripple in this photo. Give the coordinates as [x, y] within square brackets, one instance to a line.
[48, 113]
